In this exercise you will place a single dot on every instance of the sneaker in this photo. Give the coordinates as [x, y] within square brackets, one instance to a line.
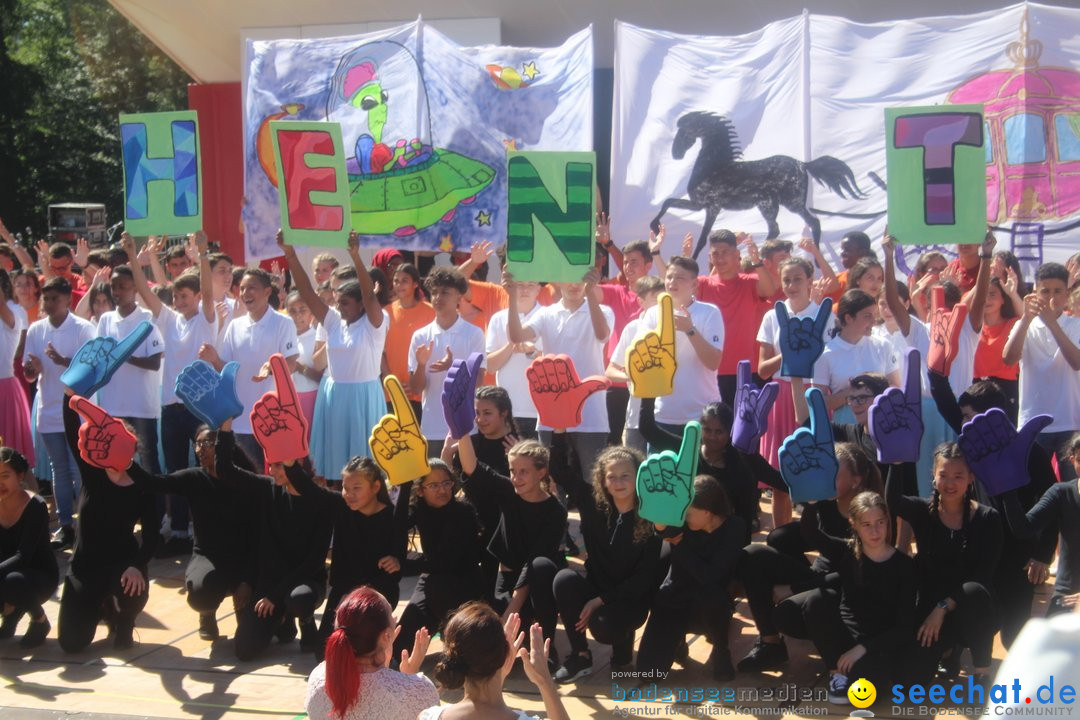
[309, 635]
[7, 627]
[208, 629]
[175, 547]
[949, 667]
[35, 634]
[764, 656]
[63, 538]
[838, 687]
[722, 669]
[576, 666]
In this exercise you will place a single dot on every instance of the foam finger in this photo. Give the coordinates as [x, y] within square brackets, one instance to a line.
[666, 323]
[286, 391]
[90, 412]
[399, 401]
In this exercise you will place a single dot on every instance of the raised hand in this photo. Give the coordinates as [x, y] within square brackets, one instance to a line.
[896, 417]
[665, 481]
[801, 339]
[459, 394]
[656, 240]
[752, 408]
[207, 395]
[650, 361]
[104, 442]
[945, 327]
[98, 359]
[397, 445]
[996, 452]
[82, 252]
[277, 420]
[807, 457]
[557, 391]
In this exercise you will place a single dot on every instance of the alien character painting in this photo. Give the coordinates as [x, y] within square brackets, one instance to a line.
[399, 182]
[721, 180]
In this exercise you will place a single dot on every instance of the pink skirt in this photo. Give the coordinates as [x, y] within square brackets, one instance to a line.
[15, 419]
[781, 424]
[307, 404]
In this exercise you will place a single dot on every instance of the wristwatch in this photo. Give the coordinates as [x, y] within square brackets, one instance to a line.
[943, 604]
[691, 332]
[655, 253]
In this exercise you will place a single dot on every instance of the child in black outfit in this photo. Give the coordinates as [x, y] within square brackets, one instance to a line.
[694, 595]
[621, 570]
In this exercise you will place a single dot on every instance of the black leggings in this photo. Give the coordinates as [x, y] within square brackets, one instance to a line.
[85, 601]
[789, 540]
[815, 615]
[761, 569]
[436, 595]
[673, 615]
[254, 633]
[540, 605]
[27, 590]
[972, 625]
[208, 584]
[611, 623]
[1014, 595]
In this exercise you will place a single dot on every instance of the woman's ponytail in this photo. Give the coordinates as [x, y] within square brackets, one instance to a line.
[342, 675]
[361, 618]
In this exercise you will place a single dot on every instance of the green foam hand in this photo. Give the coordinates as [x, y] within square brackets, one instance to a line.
[665, 481]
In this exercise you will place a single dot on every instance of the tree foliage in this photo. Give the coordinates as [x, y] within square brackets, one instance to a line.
[67, 69]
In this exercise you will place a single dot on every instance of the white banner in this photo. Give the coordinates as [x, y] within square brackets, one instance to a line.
[814, 87]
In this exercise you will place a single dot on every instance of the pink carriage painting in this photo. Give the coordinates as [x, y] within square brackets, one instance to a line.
[1033, 127]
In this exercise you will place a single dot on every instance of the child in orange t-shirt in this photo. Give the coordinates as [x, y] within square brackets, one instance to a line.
[409, 312]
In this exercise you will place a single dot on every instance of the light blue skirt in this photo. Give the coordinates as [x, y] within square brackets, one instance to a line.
[345, 413]
[935, 432]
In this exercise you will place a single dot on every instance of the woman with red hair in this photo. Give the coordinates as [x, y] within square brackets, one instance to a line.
[355, 680]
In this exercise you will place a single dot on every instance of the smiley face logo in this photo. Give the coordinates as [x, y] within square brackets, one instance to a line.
[862, 693]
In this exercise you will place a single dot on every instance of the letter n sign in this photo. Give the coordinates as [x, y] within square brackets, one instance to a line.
[313, 188]
[936, 166]
[162, 173]
[551, 215]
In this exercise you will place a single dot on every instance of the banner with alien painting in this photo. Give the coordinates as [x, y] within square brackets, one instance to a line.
[783, 128]
[426, 124]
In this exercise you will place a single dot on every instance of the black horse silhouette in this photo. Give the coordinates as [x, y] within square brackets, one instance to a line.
[722, 180]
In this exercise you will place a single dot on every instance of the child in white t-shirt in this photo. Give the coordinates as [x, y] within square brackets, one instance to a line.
[1045, 343]
[648, 289]
[510, 360]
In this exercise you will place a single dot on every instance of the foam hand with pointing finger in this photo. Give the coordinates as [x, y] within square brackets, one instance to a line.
[996, 452]
[397, 445]
[98, 360]
[896, 417]
[207, 395]
[459, 394]
[104, 442]
[557, 391]
[665, 481]
[945, 327]
[802, 340]
[277, 420]
[752, 406]
[807, 457]
[650, 360]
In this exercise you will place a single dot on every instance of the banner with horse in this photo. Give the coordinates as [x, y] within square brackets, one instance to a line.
[426, 124]
[783, 128]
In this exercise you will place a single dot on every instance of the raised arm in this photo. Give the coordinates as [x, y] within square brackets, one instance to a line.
[832, 283]
[892, 294]
[514, 329]
[655, 435]
[206, 278]
[302, 281]
[601, 329]
[372, 308]
[153, 302]
[1014, 346]
[982, 282]
[766, 283]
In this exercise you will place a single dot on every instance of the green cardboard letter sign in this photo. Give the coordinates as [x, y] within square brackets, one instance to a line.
[936, 165]
[551, 215]
[162, 173]
[313, 188]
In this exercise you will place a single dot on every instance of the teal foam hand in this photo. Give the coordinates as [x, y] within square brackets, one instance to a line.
[665, 481]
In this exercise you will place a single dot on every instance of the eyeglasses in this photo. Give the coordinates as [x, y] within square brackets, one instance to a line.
[441, 485]
[203, 443]
[859, 399]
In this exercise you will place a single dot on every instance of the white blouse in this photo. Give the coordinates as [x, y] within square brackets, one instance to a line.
[384, 695]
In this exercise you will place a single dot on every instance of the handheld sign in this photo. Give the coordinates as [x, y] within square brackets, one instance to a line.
[936, 162]
[551, 215]
[162, 173]
[313, 187]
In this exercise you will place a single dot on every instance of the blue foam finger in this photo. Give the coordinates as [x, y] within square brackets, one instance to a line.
[207, 395]
[98, 360]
